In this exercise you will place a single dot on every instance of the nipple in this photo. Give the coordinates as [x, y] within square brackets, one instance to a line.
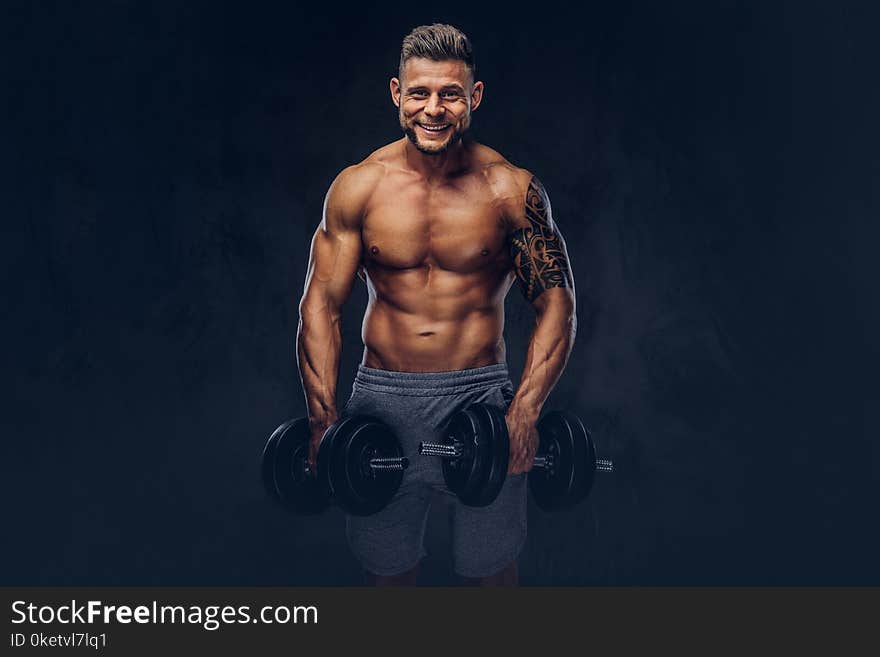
[374, 250]
[484, 252]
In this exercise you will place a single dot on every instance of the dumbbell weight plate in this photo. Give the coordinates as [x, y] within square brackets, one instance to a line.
[564, 437]
[356, 488]
[296, 490]
[267, 464]
[495, 452]
[464, 475]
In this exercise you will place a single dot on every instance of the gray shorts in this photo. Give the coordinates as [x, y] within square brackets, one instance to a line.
[417, 406]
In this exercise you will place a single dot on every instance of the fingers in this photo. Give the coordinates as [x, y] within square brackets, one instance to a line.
[313, 453]
[317, 431]
[522, 463]
[522, 453]
[517, 462]
[523, 436]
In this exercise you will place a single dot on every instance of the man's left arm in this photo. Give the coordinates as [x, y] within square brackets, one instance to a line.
[540, 262]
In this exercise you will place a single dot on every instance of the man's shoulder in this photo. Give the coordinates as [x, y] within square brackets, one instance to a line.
[354, 185]
[369, 171]
[508, 181]
[364, 174]
[387, 155]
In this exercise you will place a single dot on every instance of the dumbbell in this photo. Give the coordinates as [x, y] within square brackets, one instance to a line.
[359, 466]
[476, 451]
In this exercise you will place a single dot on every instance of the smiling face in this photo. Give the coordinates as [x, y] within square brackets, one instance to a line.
[435, 100]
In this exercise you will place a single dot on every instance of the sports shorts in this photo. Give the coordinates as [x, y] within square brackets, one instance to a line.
[417, 406]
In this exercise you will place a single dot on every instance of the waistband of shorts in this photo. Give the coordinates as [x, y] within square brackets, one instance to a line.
[424, 384]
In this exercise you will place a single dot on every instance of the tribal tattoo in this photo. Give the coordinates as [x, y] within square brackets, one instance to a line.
[538, 252]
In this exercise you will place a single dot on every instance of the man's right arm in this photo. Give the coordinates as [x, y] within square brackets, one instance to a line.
[333, 264]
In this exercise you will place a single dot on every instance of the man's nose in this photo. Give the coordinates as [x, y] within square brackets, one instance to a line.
[434, 107]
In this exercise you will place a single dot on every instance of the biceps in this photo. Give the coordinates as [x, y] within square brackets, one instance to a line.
[538, 252]
[333, 265]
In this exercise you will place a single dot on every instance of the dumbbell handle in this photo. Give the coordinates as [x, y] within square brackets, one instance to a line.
[381, 463]
[454, 450]
[395, 463]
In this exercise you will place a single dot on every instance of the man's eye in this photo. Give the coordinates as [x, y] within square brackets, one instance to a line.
[418, 94]
[450, 94]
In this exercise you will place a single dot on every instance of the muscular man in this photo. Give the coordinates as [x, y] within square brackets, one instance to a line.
[438, 227]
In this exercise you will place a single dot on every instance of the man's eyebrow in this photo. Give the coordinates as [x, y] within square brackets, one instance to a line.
[446, 87]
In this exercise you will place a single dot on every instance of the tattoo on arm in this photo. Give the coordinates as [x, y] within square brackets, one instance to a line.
[538, 252]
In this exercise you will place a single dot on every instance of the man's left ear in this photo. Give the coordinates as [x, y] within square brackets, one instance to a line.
[476, 95]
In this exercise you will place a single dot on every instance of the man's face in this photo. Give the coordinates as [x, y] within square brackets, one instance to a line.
[435, 101]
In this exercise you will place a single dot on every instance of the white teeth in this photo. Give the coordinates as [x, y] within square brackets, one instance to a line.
[434, 128]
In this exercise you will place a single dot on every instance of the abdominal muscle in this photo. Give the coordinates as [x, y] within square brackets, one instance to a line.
[452, 323]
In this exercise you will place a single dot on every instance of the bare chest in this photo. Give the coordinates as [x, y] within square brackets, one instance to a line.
[456, 228]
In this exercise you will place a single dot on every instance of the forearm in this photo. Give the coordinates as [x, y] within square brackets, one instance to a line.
[319, 347]
[548, 351]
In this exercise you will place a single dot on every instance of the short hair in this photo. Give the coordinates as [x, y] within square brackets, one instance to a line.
[437, 42]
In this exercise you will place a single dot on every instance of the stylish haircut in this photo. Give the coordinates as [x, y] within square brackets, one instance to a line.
[437, 42]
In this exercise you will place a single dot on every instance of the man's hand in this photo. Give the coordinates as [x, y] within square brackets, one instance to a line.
[523, 439]
[316, 431]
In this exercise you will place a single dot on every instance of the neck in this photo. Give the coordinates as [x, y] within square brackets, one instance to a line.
[435, 166]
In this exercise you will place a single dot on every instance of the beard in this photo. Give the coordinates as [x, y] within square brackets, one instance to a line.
[410, 132]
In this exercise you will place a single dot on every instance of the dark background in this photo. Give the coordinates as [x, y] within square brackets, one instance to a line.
[713, 166]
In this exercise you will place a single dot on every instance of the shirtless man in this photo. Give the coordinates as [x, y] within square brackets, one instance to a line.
[438, 227]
